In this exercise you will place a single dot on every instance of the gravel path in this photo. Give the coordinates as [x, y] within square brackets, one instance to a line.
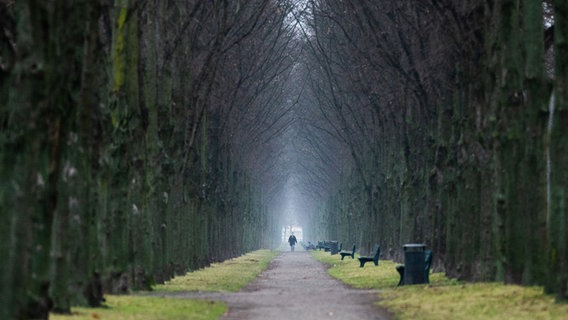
[296, 286]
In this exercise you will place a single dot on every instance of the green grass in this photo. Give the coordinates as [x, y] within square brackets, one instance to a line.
[473, 301]
[444, 298]
[228, 276]
[141, 308]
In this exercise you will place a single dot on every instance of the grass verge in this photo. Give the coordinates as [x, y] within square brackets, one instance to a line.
[230, 276]
[444, 298]
[141, 308]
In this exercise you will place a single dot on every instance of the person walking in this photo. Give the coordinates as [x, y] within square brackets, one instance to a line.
[292, 241]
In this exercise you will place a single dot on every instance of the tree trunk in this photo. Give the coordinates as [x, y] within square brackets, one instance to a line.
[557, 220]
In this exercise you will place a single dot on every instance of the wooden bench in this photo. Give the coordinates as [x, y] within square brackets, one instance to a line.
[328, 246]
[375, 258]
[427, 264]
[309, 246]
[351, 253]
[334, 247]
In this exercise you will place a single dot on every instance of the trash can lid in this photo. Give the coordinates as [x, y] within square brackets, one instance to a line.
[414, 247]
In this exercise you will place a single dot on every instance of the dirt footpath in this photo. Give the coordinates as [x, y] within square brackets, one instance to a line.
[296, 286]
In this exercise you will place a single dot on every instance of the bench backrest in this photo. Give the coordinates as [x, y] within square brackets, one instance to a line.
[377, 254]
[427, 264]
[428, 259]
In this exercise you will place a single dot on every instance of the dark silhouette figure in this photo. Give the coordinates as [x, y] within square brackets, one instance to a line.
[292, 241]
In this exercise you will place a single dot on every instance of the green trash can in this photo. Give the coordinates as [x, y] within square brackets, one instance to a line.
[414, 263]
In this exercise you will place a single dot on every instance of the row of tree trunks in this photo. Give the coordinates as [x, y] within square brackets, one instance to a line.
[113, 173]
[461, 94]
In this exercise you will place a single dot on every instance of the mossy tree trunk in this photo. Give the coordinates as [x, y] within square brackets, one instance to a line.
[39, 134]
[557, 221]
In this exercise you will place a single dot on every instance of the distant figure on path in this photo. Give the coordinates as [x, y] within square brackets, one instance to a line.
[292, 241]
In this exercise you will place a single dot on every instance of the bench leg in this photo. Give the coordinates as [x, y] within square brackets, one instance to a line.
[362, 263]
[342, 256]
[400, 270]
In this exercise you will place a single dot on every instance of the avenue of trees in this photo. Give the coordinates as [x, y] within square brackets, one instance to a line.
[141, 139]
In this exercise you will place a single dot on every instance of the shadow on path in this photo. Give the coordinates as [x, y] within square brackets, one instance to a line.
[296, 286]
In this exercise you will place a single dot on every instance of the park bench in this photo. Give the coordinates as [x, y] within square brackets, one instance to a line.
[333, 247]
[375, 258]
[322, 245]
[427, 264]
[328, 246]
[309, 246]
[345, 253]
